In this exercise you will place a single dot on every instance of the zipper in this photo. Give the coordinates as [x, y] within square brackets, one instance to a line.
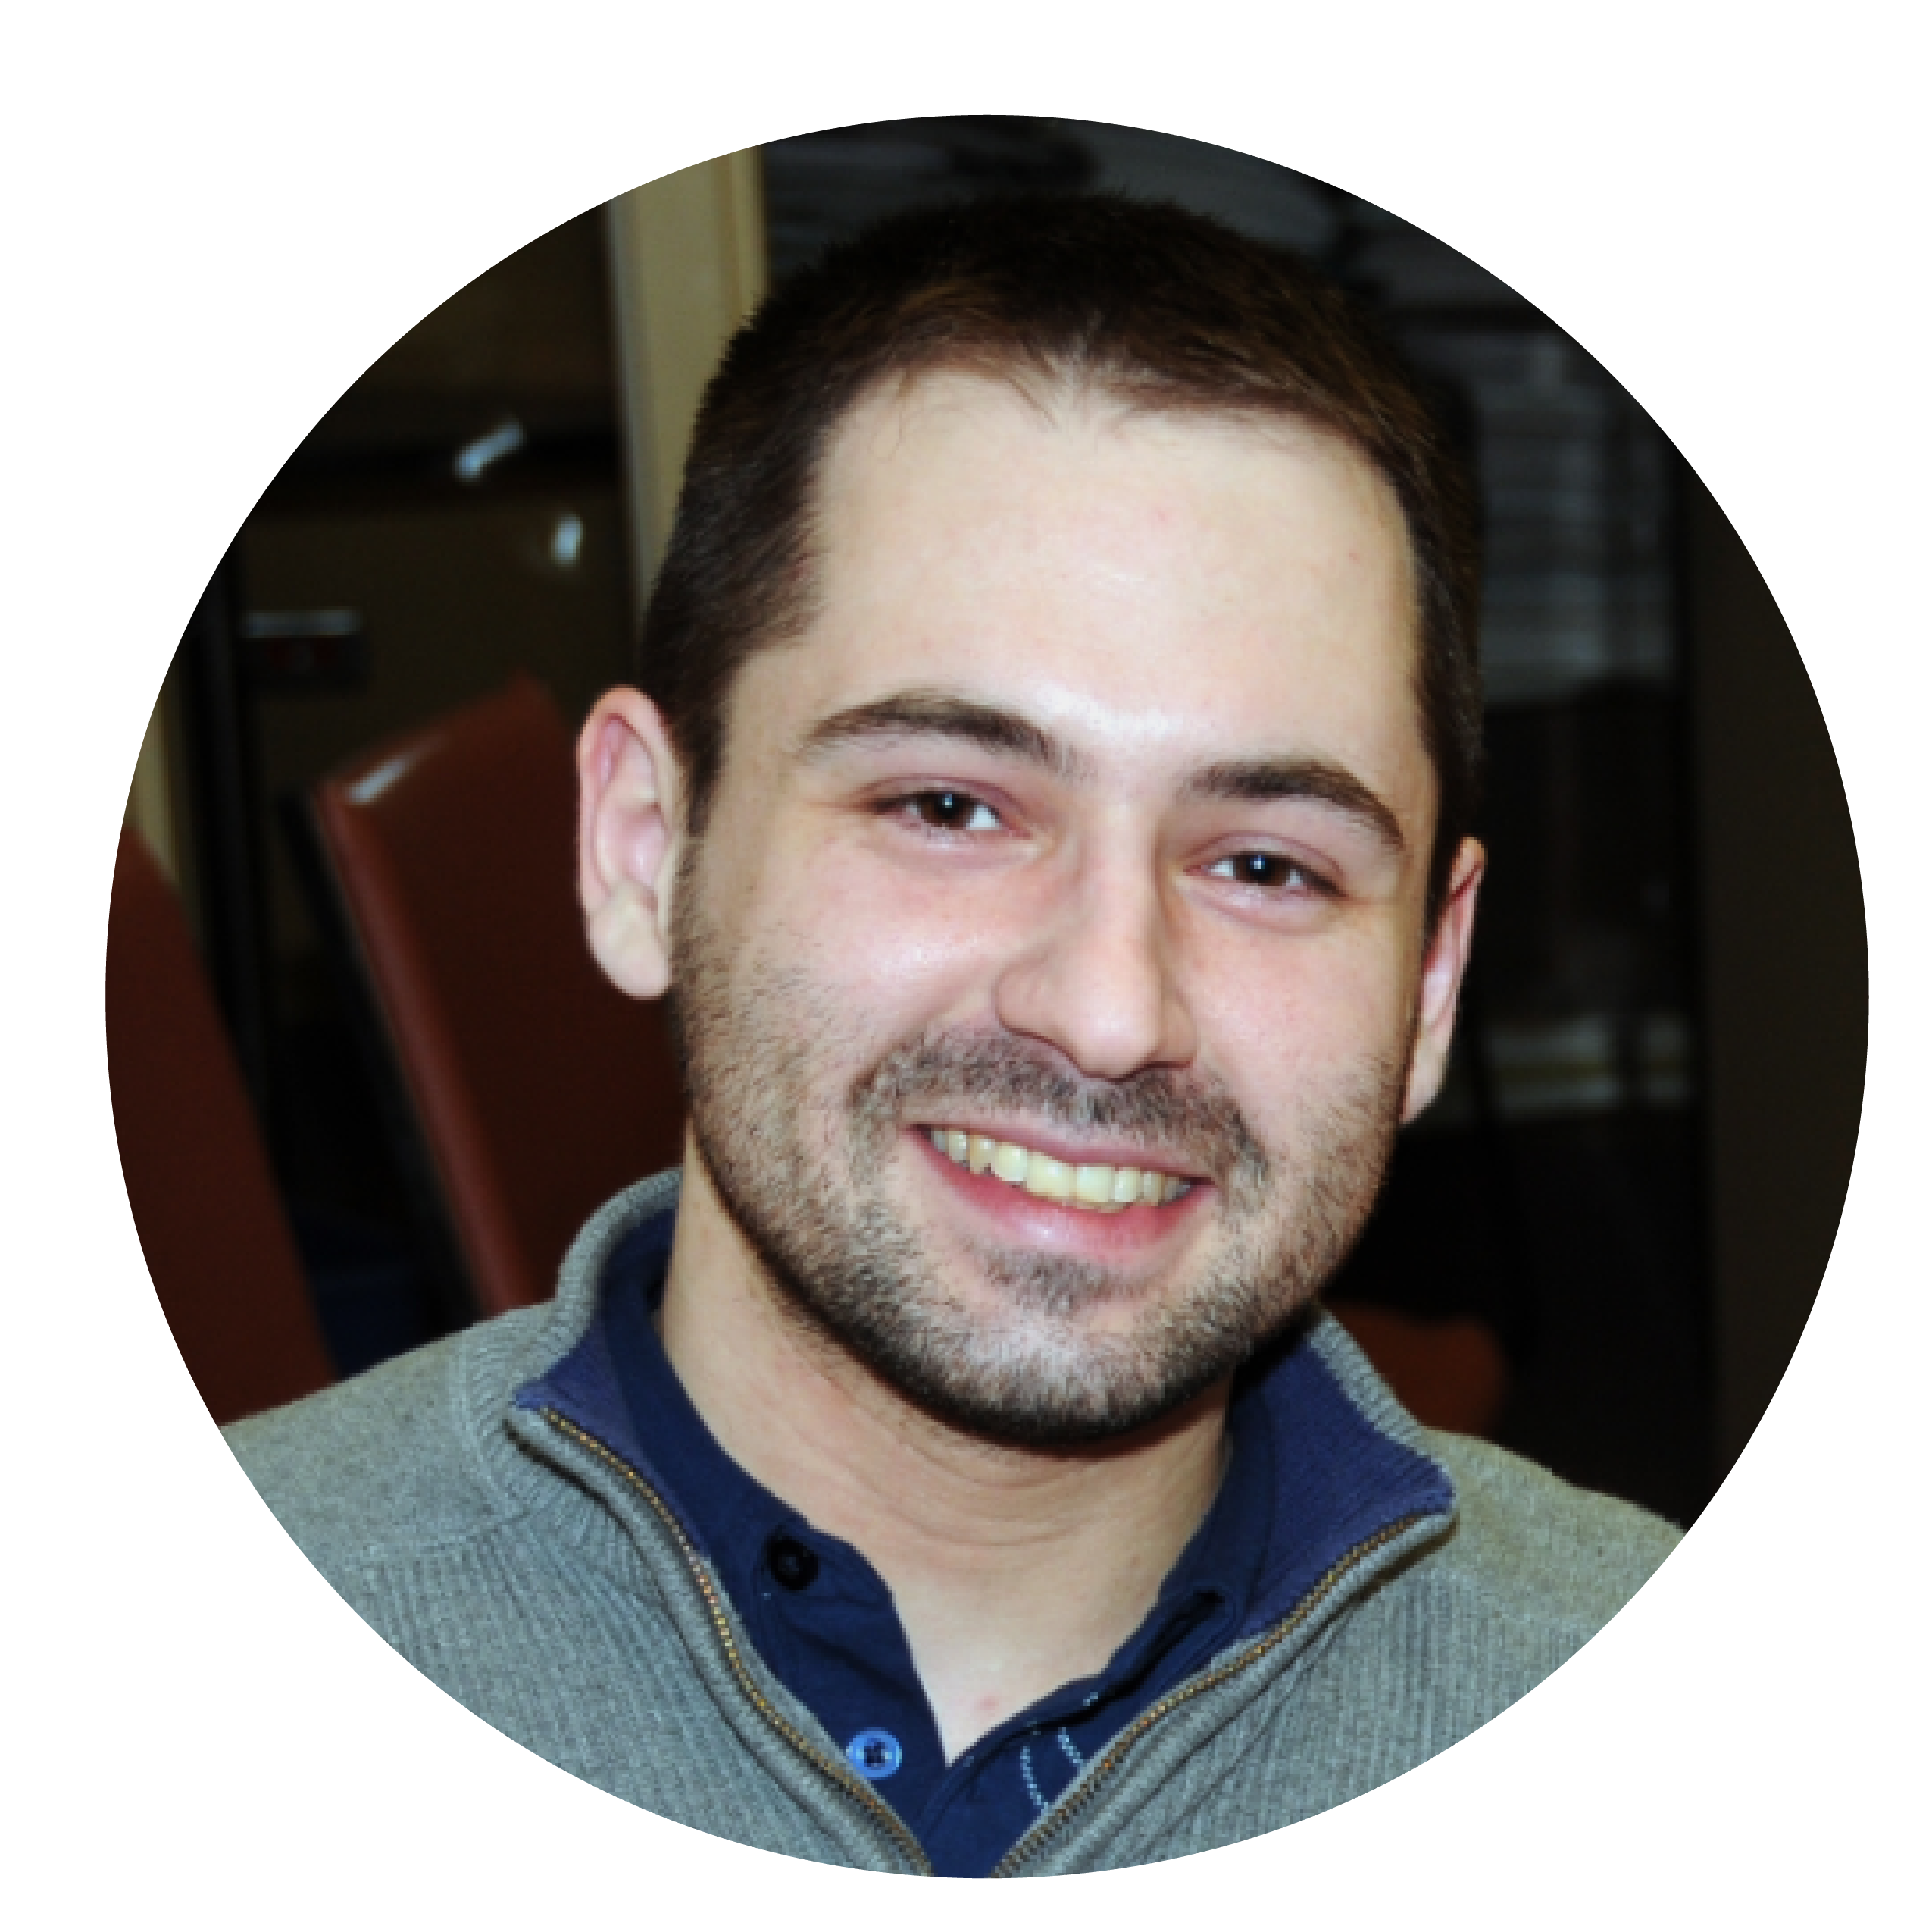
[840, 1774]
[1057, 1821]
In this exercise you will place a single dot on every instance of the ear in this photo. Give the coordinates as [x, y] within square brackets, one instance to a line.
[1443, 966]
[630, 803]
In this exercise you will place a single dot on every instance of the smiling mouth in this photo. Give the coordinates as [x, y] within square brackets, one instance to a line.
[1097, 1188]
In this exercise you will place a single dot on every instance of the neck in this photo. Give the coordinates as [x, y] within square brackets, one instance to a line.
[1013, 1571]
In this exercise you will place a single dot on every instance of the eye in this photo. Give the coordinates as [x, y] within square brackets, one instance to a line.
[1266, 871]
[950, 811]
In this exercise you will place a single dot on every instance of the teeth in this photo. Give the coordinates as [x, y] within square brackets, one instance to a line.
[1051, 1179]
[1093, 1187]
[1009, 1163]
[1104, 1190]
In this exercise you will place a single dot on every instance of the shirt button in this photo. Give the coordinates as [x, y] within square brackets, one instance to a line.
[791, 1564]
[875, 1754]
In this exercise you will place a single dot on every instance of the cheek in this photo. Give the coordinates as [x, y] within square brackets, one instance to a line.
[881, 941]
[1281, 1021]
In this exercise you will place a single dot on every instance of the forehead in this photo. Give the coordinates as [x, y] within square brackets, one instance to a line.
[1155, 582]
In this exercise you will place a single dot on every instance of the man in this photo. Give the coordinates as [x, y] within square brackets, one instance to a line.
[1047, 810]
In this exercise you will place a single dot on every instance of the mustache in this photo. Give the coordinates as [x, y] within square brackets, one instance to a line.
[1189, 1117]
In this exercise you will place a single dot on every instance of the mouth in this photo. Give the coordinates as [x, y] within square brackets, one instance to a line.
[1096, 1187]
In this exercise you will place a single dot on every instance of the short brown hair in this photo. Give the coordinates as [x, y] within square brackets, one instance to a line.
[1160, 307]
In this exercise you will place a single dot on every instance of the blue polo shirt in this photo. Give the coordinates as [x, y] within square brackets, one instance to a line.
[1314, 1478]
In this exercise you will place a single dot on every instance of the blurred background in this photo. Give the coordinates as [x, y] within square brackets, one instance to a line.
[1615, 1216]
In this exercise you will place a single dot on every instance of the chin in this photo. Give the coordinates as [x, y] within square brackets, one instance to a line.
[1071, 1398]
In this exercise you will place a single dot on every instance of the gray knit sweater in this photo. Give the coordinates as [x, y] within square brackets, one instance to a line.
[527, 1569]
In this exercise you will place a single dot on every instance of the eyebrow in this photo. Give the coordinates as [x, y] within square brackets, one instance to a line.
[936, 714]
[925, 714]
[1266, 779]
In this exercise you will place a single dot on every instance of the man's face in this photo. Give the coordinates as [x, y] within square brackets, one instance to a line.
[1047, 972]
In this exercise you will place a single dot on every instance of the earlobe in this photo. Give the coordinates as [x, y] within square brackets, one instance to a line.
[624, 941]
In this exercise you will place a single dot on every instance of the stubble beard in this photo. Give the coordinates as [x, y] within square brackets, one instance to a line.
[800, 1161]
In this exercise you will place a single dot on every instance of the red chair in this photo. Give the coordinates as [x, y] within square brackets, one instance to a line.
[538, 1090]
[204, 1198]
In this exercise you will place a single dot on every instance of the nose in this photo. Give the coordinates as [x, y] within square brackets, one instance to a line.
[1098, 980]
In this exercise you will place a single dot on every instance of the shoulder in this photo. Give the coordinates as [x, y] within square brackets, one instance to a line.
[1525, 1546]
[416, 1454]
[400, 1458]
[1539, 1548]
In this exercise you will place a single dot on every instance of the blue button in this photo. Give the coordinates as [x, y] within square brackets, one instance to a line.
[875, 1754]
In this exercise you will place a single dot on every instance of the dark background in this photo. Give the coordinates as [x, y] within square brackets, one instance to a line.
[1635, 1172]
